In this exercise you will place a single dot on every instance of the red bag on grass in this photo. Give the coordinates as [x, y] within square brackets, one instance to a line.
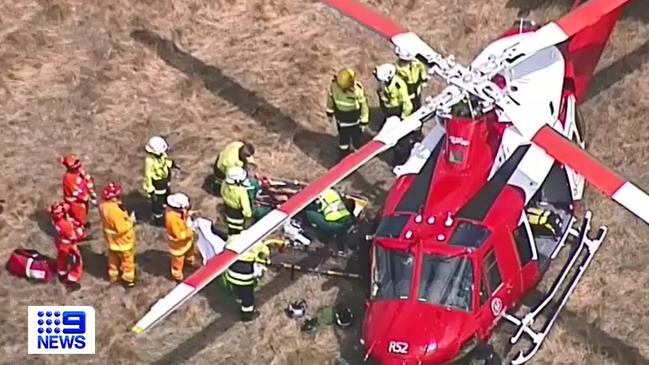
[30, 264]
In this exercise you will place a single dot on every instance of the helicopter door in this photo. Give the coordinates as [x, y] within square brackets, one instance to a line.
[491, 302]
[527, 250]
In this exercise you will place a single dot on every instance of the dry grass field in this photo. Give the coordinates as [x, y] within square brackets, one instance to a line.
[98, 78]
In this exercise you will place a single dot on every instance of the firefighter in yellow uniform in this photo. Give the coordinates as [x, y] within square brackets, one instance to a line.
[395, 102]
[414, 73]
[544, 222]
[119, 233]
[179, 233]
[157, 176]
[242, 275]
[237, 153]
[348, 110]
[329, 215]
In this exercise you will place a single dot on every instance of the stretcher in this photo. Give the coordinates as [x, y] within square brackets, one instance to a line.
[272, 193]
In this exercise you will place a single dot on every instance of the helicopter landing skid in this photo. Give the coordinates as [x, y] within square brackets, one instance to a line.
[586, 247]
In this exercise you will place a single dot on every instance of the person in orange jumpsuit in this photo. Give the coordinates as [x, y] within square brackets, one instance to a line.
[119, 232]
[69, 232]
[181, 237]
[78, 188]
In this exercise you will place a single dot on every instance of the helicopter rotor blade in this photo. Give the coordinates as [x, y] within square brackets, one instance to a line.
[387, 137]
[610, 183]
[367, 17]
[558, 31]
[386, 27]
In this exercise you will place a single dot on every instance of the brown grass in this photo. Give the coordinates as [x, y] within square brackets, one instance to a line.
[99, 77]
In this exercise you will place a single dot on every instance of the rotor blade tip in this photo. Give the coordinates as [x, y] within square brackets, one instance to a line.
[137, 330]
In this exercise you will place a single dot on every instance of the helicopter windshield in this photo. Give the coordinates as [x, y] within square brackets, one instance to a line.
[446, 281]
[392, 274]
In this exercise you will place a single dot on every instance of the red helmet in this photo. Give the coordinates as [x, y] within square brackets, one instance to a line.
[112, 190]
[71, 161]
[58, 209]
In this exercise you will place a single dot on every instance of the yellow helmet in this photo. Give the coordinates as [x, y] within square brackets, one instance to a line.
[346, 78]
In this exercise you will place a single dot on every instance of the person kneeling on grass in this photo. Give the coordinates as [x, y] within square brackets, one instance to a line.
[329, 215]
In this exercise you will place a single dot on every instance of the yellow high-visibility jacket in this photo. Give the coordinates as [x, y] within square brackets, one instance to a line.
[119, 231]
[237, 197]
[178, 232]
[349, 106]
[259, 252]
[395, 96]
[229, 157]
[155, 168]
[332, 206]
[414, 74]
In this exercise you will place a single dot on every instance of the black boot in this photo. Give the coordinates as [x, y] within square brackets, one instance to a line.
[72, 286]
[249, 316]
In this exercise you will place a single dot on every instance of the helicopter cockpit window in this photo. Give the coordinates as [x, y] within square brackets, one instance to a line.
[469, 235]
[392, 226]
[392, 274]
[446, 281]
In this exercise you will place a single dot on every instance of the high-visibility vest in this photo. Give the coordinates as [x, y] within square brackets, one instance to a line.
[395, 99]
[229, 157]
[241, 272]
[236, 197]
[332, 206]
[414, 74]
[544, 218]
[349, 106]
[156, 168]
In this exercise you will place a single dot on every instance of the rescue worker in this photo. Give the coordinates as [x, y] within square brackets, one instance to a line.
[395, 102]
[69, 233]
[157, 176]
[78, 188]
[239, 212]
[237, 153]
[181, 236]
[242, 275]
[347, 109]
[329, 215]
[544, 222]
[119, 233]
[413, 72]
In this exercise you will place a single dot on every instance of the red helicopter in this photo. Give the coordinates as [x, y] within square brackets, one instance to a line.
[484, 203]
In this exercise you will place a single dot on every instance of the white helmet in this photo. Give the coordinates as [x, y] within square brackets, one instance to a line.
[404, 54]
[235, 175]
[156, 145]
[178, 201]
[385, 72]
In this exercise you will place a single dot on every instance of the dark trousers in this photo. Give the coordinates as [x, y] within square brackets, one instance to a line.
[348, 138]
[159, 199]
[234, 220]
[247, 296]
[416, 102]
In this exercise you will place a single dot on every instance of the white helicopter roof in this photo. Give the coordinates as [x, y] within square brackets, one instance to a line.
[538, 79]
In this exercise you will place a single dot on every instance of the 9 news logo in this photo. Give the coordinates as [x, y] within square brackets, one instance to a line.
[60, 330]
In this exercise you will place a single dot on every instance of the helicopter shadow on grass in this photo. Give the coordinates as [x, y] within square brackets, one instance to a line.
[321, 147]
[633, 11]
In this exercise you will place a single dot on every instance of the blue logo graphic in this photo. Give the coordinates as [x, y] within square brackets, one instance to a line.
[61, 330]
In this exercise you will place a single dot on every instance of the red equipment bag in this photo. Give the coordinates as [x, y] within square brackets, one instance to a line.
[30, 264]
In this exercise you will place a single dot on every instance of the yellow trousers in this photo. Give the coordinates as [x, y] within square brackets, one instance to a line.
[178, 262]
[123, 261]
